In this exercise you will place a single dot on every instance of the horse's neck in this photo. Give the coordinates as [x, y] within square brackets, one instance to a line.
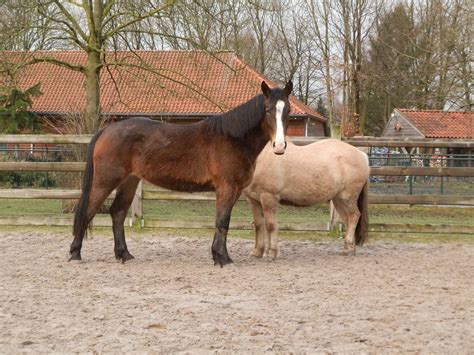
[256, 140]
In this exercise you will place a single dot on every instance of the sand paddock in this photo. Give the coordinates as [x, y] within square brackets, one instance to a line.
[391, 297]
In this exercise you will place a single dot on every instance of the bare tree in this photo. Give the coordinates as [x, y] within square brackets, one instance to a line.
[90, 25]
[357, 17]
[367, 56]
[23, 28]
[461, 30]
[319, 19]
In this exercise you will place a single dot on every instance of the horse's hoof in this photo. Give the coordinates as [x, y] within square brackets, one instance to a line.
[75, 257]
[222, 260]
[270, 254]
[268, 258]
[75, 261]
[348, 251]
[126, 257]
[123, 256]
[256, 253]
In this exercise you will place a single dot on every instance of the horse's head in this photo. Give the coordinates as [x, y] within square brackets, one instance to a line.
[277, 114]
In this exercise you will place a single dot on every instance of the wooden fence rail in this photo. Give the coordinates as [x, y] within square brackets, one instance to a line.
[162, 194]
[41, 166]
[382, 170]
[421, 171]
[355, 141]
[45, 138]
[167, 195]
[395, 142]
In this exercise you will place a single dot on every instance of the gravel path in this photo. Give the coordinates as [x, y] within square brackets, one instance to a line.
[391, 297]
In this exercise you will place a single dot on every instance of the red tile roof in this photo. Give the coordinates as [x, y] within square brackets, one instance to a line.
[441, 124]
[213, 83]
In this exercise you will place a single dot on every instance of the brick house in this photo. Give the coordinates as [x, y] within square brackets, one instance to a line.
[179, 87]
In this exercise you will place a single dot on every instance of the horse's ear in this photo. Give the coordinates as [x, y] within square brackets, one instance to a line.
[288, 88]
[265, 89]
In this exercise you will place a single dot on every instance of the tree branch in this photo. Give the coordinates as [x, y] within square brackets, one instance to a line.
[46, 59]
[73, 22]
[138, 19]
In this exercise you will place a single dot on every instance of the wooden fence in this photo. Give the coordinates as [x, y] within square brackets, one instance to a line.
[161, 194]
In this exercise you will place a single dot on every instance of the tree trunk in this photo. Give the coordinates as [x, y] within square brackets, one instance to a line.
[92, 84]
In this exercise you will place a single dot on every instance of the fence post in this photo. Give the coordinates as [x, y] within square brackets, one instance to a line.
[137, 204]
[334, 218]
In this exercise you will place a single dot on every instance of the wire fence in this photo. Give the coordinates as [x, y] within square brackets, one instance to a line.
[395, 176]
[378, 157]
[420, 185]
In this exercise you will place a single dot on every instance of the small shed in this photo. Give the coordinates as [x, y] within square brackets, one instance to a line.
[407, 123]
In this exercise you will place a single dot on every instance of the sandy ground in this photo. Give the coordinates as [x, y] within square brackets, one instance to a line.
[390, 298]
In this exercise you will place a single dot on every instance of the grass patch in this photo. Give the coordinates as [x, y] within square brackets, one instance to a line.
[19, 207]
[200, 209]
[189, 210]
[205, 210]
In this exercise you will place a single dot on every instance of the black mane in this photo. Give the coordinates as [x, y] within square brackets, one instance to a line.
[240, 120]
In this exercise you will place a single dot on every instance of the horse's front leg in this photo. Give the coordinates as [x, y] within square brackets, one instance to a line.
[259, 225]
[225, 200]
[270, 205]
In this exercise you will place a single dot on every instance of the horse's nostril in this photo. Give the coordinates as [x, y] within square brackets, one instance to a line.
[273, 144]
[285, 145]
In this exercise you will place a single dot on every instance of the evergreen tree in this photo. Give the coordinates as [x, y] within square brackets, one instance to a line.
[321, 108]
[389, 68]
[14, 106]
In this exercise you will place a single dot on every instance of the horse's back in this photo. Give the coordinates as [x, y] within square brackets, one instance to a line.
[339, 153]
[309, 174]
[336, 160]
[183, 157]
[169, 155]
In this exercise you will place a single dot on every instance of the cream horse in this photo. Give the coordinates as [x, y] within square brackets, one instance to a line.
[306, 175]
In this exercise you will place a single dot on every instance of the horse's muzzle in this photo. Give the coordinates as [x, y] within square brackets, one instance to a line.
[279, 148]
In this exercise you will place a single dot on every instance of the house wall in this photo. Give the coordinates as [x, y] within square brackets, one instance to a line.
[298, 126]
[316, 128]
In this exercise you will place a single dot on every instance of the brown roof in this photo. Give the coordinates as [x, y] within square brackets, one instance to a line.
[212, 83]
[441, 124]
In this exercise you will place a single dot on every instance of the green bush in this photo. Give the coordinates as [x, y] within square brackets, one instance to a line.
[18, 179]
[27, 179]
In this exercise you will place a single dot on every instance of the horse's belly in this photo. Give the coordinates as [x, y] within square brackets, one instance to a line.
[180, 185]
[296, 203]
[303, 200]
[305, 197]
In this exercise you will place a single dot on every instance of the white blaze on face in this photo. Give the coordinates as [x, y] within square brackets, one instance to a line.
[279, 143]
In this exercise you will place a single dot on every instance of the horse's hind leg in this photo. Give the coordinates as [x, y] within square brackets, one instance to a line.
[96, 199]
[350, 214]
[259, 224]
[118, 211]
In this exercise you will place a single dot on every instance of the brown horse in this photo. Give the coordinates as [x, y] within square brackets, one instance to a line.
[304, 176]
[217, 154]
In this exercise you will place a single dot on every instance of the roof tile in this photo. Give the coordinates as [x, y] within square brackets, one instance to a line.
[176, 83]
[442, 124]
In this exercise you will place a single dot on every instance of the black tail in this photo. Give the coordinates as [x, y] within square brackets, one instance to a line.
[81, 221]
[362, 229]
